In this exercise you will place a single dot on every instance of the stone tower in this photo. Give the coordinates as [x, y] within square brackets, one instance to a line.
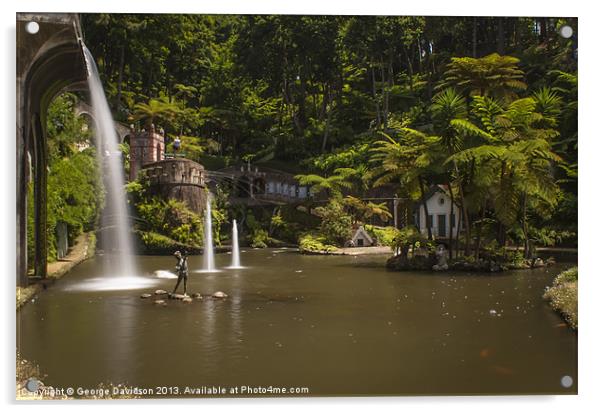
[146, 147]
[177, 178]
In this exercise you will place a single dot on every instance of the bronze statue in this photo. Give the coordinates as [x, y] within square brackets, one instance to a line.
[181, 270]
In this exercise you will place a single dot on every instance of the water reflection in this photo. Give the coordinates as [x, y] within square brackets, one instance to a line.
[305, 320]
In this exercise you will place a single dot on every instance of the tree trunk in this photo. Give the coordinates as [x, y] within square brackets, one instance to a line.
[501, 228]
[323, 110]
[410, 68]
[526, 252]
[375, 98]
[474, 37]
[460, 223]
[426, 211]
[301, 102]
[543, 29]
[479, 230]
[501, 37]
[385, 90]
[465, 217]
[120, 77]
[451, 220]
[430, 70]
[327, 127]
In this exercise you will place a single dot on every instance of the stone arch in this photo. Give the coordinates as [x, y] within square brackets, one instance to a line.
[47, 63]
[122, 130]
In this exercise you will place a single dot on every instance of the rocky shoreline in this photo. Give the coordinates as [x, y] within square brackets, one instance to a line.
[430, 263]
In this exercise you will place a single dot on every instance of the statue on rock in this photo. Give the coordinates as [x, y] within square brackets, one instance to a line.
[181, 270]
[441, 254]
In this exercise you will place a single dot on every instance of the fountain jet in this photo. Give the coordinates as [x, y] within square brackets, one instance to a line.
[208, 256]
[235, 251]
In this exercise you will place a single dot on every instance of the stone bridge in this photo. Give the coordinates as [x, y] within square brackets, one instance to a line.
[50, 59]
[257, 185]
[84, 109]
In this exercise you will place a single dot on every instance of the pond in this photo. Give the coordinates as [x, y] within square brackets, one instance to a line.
[338, 325]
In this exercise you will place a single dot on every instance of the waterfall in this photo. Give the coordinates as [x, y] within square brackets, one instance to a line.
[111, 166]
[235, 252]
[208, 256]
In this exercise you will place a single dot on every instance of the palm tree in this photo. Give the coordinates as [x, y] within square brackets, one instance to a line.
[408, 162]
[362, 210]
[492, 75]
[333, 185]
[447, 106]
[514, 158]
[380, 210]
[358, 176]
[155, 109]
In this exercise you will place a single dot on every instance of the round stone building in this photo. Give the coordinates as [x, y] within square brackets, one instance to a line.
[169, 178]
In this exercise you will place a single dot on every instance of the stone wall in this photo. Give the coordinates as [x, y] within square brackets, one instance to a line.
[180, 179]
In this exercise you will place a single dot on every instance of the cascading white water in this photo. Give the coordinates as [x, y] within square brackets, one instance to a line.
[111, 166]
[235, 252]
[208, 256]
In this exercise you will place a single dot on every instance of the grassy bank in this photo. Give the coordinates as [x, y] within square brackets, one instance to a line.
[563, 296]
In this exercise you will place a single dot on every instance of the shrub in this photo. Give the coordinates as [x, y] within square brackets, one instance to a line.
[563, 296]
[259, 238]
[336, 224]
[382, 235]
[153, 240]
[409, 237]
[310, 243]
[172, 219]
[75, 196]
[154, 243]
[569, 275]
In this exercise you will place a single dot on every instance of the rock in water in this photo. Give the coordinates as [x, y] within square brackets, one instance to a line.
[186, 300]
[146, 295]
[538, 263]
[160, 302]
[177, 296]
[219, 294]
[197, 296]
[441, 255]
[160, 292]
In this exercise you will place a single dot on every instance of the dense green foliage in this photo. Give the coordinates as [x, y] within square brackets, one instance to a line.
[336, 224]
[312, 243]
[485, 106]
[409, 239]
[161, 222]
[74, 189]
[297, 86]
[383, 235]
[569, 275]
